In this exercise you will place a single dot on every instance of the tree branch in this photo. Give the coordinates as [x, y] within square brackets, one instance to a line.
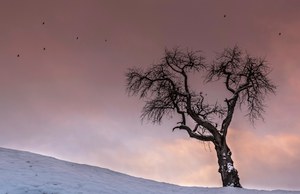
[166, 84]
[193, 134]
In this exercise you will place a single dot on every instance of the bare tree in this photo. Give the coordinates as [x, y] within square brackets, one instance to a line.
[166, 88]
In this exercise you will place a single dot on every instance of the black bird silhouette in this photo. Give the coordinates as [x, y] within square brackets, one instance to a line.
[18, 55]
[44, 48]
[77, 38]
[224, 15]
[43, 23]
[279, 33]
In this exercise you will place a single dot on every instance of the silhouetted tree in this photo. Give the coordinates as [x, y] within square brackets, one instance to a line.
[166, 88]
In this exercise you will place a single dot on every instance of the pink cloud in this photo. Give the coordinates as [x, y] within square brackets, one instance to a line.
[266, 160]
[69, 100]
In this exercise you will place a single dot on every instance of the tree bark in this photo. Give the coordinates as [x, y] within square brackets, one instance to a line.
[229, 174]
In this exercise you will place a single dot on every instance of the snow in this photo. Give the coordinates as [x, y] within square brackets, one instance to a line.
[23, 172]
[230, 167]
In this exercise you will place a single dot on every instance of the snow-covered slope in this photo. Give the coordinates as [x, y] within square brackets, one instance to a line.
[24, 172]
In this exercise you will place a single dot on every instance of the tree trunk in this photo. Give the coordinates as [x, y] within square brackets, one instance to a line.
[229, 174]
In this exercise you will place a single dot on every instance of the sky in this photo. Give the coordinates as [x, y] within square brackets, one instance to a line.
[63, 85]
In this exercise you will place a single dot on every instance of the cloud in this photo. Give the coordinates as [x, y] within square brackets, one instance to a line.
[69, 101]
[266, 160]
[181, 161]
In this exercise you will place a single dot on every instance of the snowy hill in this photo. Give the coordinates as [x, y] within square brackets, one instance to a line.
[24, 172]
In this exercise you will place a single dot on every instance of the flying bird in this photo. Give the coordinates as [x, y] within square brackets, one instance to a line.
[18, 55]
[224, 15]
[43, 23]
[44, 48]
[77, 38]
[279, 33]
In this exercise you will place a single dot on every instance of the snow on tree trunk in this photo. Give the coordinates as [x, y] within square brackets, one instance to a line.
[228, 173]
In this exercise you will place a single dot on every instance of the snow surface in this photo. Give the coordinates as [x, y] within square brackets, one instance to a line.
[24, 172]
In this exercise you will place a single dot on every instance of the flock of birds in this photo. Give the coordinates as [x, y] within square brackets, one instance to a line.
[44, 48]
[226, 16]
[43, 23]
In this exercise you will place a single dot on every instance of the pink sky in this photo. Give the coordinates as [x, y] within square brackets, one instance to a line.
[69, 100]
